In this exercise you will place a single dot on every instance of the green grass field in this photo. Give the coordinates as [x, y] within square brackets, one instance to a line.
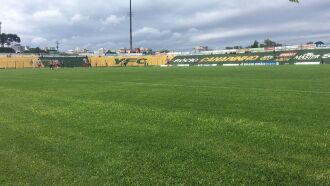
[165, 126]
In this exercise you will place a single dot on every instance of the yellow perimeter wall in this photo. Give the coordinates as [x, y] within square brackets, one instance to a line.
[95, 61]
[18, 62]
[117, 61]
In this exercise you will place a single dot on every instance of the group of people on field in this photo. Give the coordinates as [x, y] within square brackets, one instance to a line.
[56, 64]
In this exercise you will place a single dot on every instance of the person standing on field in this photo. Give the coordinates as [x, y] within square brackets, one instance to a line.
[51, 65]
[168, 61]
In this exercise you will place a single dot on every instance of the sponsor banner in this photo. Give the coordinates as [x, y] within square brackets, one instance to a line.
[260, 64]
[231, 65]
[207, 65]
[117, 61]
[283, 59]
[307, 63]
[326, 56]
[183, 65]
[267, 58]
[308, 56]
[186, 60]
[215, 59]
[229, 59]
[288, 54]
[251, 58]
[131, 60]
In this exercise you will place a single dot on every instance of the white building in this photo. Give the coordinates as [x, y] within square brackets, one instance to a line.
[101, 51]
[201, 48]
[18, 48]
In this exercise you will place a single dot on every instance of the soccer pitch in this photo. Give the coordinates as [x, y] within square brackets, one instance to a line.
[160, 126]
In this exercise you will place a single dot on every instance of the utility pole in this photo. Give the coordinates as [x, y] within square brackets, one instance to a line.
[131, 29]
[0, 27]
[57, 45]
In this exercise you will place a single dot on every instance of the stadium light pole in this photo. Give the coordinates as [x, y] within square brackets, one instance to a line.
[131, 29]
[0, 27]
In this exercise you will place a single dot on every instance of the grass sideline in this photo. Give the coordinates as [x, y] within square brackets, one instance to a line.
[159, 126]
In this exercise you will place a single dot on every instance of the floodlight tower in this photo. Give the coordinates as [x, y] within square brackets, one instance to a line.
[130, 21]
[57, 45]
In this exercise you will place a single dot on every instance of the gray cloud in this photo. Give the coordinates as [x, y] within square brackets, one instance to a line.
[177, 25]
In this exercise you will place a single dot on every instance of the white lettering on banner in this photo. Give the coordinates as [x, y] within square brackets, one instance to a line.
[186, 60]
[308, 63]
[326, 56]
[288, 54]
[177, 61]
[267, 58]
[207, 65]
[231, 65]
[308, 56]
[183, 65]
[260, 64]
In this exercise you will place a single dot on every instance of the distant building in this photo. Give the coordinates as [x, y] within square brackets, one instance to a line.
[134, 51]
[50, 49]
[101, 51]
[78, 51]
[201, 48]
[319, 44]
[81, 50]
[123, 50]
[18, 48]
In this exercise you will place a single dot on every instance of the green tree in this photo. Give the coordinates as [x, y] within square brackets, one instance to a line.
[238, 47]
[8, 39]
[164, 51]
[270, 43]
[255, 44]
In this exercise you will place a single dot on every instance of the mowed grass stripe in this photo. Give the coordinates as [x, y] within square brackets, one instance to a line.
[76, 135]
[223, 128]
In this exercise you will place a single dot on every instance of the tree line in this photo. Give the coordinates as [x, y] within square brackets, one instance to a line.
[8, 39]
[265, 44]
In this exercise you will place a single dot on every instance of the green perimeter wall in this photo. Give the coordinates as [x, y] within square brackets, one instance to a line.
[67, 61]
[266, 58]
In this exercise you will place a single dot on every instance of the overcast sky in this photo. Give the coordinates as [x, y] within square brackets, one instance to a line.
[158, 24]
